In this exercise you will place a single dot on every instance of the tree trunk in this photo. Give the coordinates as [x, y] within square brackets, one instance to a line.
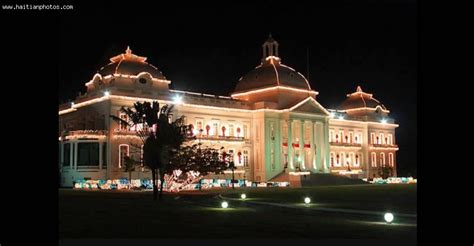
[233, 179]
[162, 181]
[155, 188]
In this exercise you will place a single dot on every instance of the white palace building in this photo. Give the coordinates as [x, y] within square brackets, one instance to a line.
[272, 124]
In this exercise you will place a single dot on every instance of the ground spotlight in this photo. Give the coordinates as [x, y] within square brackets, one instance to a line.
[388, 217]
[243, 196]
[224, 204]
[307, 200]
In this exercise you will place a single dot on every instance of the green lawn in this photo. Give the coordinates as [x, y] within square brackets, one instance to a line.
[122, 214]
[389, 197]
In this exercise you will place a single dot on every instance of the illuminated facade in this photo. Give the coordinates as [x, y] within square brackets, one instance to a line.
[271, 124]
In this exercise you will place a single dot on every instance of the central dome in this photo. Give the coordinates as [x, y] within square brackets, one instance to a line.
[271, 72]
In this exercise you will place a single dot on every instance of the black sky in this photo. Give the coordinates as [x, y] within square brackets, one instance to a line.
[207, 47]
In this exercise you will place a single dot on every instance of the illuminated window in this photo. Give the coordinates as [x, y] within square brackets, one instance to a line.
[390, 159]
[382, 159]
[332, 159]
[331, 136]
[123, 151]
[341, 136]
[231, 130]
[372, 138]
[351, 136]
[382, 139]
[123, 125]
[357, 160]
[215, 128]
[390, 139]
[373, 159]
[246, 132]
[351, 159]
[246, 158]
[338, 160]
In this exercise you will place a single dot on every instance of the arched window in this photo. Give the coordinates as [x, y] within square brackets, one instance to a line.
[351, 159]
[382, 159]
[372, 138]
[373, 159]
[342, 160]
[390, 159]
[382, 139]
[246, 157]
[124, 150]
[357, 160]
[390, 139]
[332, 159]
[338, 160]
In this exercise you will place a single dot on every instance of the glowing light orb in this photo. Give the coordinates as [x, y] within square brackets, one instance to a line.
[384, 121]
[106, 93]
[388, 217]
[224, 204]
[307, 200]
[243, 196]
[177, 99]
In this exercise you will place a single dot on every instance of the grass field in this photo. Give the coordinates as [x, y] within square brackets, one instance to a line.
[123, 214]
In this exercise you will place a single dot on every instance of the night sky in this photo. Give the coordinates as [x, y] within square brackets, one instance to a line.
[208, 47]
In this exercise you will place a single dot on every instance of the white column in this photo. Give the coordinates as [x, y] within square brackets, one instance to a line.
[71, 155]
[100, 155]
[290, 144]
[313, 146]
[302, 152]
[75, 155]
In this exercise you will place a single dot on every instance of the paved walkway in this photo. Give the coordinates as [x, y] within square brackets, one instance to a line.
[339, 210]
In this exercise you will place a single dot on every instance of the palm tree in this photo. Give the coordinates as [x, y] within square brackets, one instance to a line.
[159, 136]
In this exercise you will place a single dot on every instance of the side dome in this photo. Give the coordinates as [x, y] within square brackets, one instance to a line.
[361, 100]
[130, 64]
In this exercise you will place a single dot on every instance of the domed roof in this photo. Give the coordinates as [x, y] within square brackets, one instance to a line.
[272, 73]
[130, 64]
[360, 99]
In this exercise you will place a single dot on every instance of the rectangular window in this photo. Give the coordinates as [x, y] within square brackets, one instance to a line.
[331, 133]
[66, 154]
[246, 158]
[123, 125]
[231, 130]
[215, 129]
[123, 151]
[88, 154]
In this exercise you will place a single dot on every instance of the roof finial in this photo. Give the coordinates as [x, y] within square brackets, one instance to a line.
[128, 51]
[359, 89]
